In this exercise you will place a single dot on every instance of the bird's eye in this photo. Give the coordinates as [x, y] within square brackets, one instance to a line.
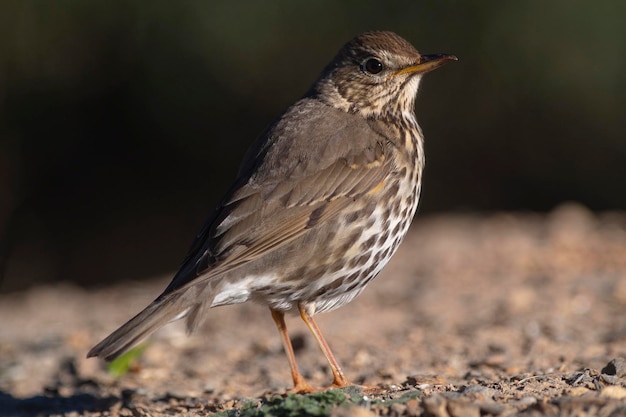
[372, 65]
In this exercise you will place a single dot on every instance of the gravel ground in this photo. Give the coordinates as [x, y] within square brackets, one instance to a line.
[499, 314]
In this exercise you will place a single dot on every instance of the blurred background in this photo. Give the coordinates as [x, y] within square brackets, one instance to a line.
[122, 123]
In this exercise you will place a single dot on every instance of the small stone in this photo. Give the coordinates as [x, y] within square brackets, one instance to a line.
[354, 411]
[458, 408]
[615, 367]
[610, 379]
[398, 409]
[525, 401]
[425, 380]
[492, 408]
[412, 406]
[436, 406]
[613, 391]
[479, 391]
[570, 222]
[125, 412]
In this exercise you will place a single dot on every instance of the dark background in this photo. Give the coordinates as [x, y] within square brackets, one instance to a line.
[122, 123]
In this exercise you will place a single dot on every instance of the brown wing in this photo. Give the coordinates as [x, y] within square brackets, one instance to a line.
[303, 171]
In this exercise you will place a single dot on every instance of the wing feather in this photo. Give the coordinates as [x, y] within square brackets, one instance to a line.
[298, 175]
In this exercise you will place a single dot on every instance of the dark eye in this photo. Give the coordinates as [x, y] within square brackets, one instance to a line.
[372, 65]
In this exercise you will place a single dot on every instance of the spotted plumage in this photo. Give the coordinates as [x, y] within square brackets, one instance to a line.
[321, 202]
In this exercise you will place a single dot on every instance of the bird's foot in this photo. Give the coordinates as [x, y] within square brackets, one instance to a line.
[302, 387]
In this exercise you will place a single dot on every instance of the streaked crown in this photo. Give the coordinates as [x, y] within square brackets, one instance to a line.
[375, 74]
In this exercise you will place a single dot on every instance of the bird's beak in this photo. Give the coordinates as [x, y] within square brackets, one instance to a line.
[427, 63]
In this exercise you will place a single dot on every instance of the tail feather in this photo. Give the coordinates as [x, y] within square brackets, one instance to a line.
[158, 313]
[195, 316]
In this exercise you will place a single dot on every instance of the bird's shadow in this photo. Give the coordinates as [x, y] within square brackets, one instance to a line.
[43, 405]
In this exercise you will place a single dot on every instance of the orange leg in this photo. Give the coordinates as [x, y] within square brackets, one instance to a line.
[300, 385]
[339, 380]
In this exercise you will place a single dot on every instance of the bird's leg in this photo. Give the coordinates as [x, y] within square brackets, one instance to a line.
[299, 383]
[339, 380]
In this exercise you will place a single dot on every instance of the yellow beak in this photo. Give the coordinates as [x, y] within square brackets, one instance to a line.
[427, 63]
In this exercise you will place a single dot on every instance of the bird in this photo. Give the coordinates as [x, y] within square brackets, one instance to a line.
[321, 202]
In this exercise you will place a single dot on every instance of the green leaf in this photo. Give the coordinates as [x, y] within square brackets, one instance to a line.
[121, 365]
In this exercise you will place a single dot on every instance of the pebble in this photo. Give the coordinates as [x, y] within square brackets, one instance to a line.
[613, 391]
[457, 408]
[525, 401]
[615, 367]
[435, 406]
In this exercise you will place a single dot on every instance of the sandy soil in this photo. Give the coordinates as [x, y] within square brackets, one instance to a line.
[478, 315]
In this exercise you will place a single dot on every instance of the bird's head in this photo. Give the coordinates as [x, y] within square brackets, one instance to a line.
[376, 74]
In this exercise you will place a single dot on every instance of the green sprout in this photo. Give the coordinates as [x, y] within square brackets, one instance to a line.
[122, 364]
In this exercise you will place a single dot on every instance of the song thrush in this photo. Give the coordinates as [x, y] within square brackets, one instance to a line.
[321, 202]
